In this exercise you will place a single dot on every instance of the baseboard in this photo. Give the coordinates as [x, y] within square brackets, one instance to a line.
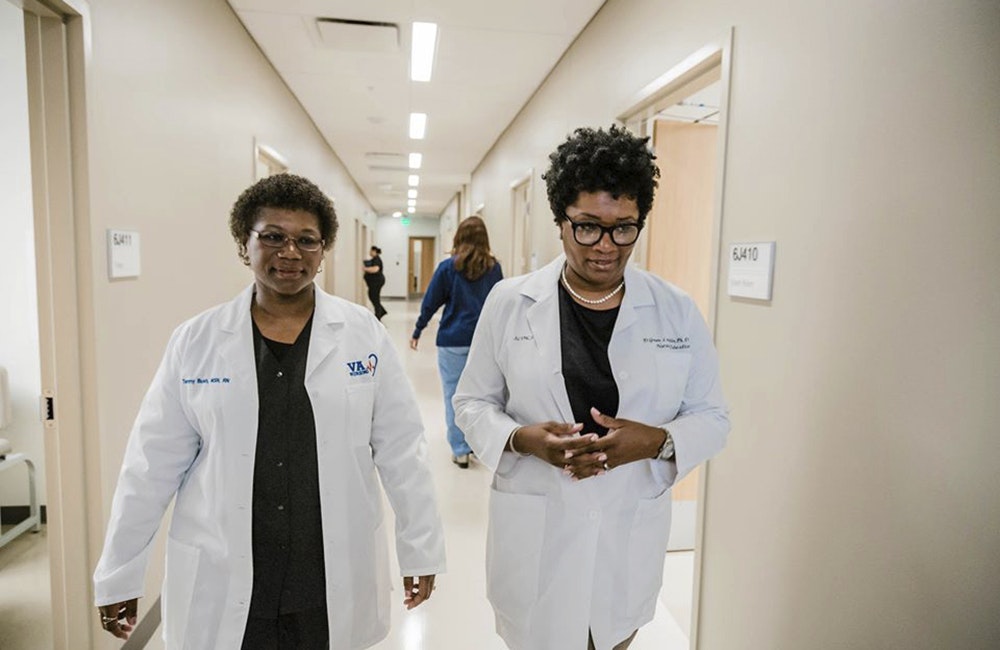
[13, 515]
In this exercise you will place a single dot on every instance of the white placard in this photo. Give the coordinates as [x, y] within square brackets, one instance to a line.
[123, 254]
[751, 270]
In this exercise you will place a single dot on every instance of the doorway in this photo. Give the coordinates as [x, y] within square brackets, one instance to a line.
[361, 248]
[685, 113]
[420, 266]
[56, 38]
[523, 259]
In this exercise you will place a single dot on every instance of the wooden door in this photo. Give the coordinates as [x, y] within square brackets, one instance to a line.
[680, 249]
[420, 266]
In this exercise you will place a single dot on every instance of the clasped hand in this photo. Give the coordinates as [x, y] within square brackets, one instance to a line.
[585, 455]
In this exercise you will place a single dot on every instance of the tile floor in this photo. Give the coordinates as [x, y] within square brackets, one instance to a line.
[457, 617]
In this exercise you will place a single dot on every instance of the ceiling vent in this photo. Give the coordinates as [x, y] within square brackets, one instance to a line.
[358, 35]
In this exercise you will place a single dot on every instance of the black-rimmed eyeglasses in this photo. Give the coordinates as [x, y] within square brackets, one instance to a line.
[275, 239]
[588, 233]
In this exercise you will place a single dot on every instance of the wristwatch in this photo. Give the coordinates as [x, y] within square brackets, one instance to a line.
[667, 450]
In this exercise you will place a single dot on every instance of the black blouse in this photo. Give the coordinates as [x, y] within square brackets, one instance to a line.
[585, 335]
[288, 567]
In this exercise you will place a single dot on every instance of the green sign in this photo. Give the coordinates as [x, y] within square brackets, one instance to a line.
[405, 221]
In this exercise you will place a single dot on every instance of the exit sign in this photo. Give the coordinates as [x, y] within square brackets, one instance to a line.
[405, 221]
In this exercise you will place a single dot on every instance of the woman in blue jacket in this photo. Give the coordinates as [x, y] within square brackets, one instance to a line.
[461, 284]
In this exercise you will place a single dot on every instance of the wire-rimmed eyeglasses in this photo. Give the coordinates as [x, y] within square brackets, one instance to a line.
[276, 239]
[588, 233]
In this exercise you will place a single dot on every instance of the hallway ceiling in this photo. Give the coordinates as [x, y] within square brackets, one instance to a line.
[354, 80]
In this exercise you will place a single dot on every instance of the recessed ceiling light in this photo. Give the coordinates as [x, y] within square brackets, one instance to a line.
[418, 125]
[411, 193]
[397, 214]
[416, 159]
[413, 180]
[422, 51]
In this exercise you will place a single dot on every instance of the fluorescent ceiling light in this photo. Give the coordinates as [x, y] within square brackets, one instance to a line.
[412, 203]
[411, 210]
[411, 194]
[418, 125]
[422, 52]
[413, 180]
[416, 159]
[397, 214]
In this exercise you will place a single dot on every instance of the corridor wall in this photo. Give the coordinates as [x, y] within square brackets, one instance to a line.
[855, 506]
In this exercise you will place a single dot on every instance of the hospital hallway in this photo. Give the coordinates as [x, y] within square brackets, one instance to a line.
[457, 617]
[810, 325]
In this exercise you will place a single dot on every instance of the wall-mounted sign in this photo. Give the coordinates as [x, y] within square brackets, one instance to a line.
[751, 270]
[123, 254]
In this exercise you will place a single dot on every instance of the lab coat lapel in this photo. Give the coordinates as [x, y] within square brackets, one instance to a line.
[328, 323]
[543, 321]
[235, 345]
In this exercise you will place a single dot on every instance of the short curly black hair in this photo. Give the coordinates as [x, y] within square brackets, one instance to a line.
[285, 192]
[613, 161]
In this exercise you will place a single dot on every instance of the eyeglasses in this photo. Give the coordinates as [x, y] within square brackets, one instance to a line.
[588, 233]
[276, 239]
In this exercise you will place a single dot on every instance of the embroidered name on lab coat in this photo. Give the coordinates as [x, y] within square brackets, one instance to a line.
[677, 343]
[205, 380]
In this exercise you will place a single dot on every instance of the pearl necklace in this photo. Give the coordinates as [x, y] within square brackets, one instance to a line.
[585, 300]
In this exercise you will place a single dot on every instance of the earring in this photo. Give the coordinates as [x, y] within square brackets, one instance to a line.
[320, 269]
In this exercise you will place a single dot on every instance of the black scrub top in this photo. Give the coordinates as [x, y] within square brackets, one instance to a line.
[288, 567]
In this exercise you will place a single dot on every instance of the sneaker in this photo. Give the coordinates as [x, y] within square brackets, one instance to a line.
[462, 460]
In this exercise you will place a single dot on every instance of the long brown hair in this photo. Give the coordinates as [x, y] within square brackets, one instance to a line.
[471, 249]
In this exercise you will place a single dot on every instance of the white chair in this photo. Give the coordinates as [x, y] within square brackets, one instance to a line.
[34, 520]
[8, 459]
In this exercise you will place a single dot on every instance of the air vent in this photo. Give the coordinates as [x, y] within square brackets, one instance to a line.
[384, 156]
[389, 168]
[358, 35]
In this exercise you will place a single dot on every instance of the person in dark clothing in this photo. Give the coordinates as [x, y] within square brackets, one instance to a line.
[375, 279]
[460, 283]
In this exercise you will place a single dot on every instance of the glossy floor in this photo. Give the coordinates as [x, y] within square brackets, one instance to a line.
[458, 617]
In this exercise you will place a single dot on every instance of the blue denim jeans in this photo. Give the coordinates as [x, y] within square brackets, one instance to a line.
[451, 362]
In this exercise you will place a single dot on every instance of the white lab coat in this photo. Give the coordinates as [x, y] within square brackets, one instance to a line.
[564, 556]
[195, 436]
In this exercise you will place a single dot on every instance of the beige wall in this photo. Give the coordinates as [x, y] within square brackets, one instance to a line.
[856, 505]
[177, 94]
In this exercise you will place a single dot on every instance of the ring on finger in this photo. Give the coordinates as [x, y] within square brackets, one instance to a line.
[606, 466]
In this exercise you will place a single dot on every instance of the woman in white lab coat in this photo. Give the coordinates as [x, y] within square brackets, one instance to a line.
[591, 388]
[266, 421]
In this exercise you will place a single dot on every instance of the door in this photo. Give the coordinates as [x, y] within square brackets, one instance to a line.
[55, 46]
[680, 250]
[420, 266]
[523, 259]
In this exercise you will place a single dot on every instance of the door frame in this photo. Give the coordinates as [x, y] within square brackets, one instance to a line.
[680, 81]
[57, 39]
[520, 228]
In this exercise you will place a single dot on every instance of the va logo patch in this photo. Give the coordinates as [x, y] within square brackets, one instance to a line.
[358, 368]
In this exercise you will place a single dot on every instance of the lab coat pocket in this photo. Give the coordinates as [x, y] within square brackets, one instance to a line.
[360, 406]
[647, 551]
[178, 590]
[513, 554]
[672, 370]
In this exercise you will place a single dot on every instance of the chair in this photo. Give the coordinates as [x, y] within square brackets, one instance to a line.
[8, 459]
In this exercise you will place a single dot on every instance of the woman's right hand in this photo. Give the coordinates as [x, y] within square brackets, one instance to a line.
[550, 441]
[118, 619]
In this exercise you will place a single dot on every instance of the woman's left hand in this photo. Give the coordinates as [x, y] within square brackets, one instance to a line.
[626, 441]
[417, 592]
